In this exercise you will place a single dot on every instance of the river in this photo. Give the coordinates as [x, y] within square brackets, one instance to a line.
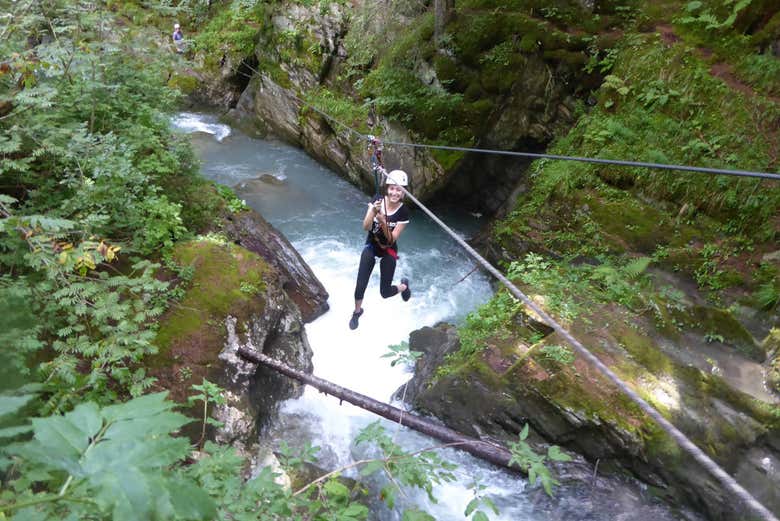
[321, 214]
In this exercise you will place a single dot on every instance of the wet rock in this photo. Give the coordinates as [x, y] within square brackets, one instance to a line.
[435, 343]
[576, 408]
[254, 233]
[771, 257]
[235, 299]
[772, 347]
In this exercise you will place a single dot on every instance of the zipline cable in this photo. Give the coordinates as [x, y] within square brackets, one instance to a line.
[533, 155]
[682, 440]
[729, 482]
[661, 166]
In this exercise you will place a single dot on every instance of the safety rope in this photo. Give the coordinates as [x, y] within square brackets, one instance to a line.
[713, 468]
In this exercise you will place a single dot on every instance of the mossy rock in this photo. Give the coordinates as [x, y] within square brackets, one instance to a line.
[184, 83]
[446, 69]
[721, 324]
[227, 280]
[771, 346]
[631, 224]
[572, 58]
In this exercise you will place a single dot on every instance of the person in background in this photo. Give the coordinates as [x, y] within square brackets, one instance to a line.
[385, 219]
[178, 38]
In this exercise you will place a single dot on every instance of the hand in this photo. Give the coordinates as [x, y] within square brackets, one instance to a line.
[377, 206]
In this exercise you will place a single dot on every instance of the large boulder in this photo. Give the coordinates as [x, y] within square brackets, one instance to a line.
[250, 230]
[495, 392]
[234, 298]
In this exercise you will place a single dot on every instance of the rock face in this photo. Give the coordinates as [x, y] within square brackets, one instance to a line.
[254, 233]
[526, 117]
[236, 299]
[508, 385]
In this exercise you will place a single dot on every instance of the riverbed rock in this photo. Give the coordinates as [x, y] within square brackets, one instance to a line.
[250, 230]
[234, 299]
[494, 393]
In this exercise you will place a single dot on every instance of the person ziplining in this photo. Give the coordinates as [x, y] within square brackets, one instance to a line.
[385, 220]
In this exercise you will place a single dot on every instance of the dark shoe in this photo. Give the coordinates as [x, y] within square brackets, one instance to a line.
[353, 322]
[407, 293]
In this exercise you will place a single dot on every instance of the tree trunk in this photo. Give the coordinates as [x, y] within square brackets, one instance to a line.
[491, 452]
[443, 11]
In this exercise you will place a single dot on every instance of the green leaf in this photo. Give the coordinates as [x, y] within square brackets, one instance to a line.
[143, 406]
[126, 493]
[11, 404]
[524, 432]
[693, 6]
[336, 490]
[61, 440]
[555, 454]
[417, 515]
[12, 432]
[371, 467]
[489, 503]
[471, 507]
[356, 511]
[388, 495]
[480, 516]
[189, 501]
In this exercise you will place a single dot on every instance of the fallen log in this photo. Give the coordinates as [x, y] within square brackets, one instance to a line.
[487, 451]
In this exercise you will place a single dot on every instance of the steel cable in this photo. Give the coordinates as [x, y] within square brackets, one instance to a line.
[713, 468]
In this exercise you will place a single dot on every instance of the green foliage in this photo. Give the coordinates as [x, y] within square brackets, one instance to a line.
[231, 33]
[401, 354]
[107, 462]
[491, 320]
[767, 296]
[233, 203]
[560, 354]
[340, 107]
[699, 15]
[210, 394]
[533, 463]
[419, 470]
[557, 284]
[480, 500]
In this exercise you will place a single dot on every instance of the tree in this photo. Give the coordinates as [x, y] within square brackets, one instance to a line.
[443, 10]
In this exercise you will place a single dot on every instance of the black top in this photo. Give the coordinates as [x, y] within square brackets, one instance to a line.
[375, 234]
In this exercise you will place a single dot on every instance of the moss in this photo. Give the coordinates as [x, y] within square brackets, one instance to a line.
[572, 58]
[340, 107]
[629, 223]
[722, 324]
[226, 279]
[659, 446]
[447, 159]
[184, 83]
[446, 68]
[275, 71]
[643, 350]
[771, 345]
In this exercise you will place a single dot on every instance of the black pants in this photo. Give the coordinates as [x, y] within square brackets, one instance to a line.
[386, 272]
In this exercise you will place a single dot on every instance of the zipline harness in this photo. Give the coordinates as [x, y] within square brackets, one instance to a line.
[682, 440]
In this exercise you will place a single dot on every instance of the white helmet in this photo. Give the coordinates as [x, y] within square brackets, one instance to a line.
[397, 177]
[175, 26]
